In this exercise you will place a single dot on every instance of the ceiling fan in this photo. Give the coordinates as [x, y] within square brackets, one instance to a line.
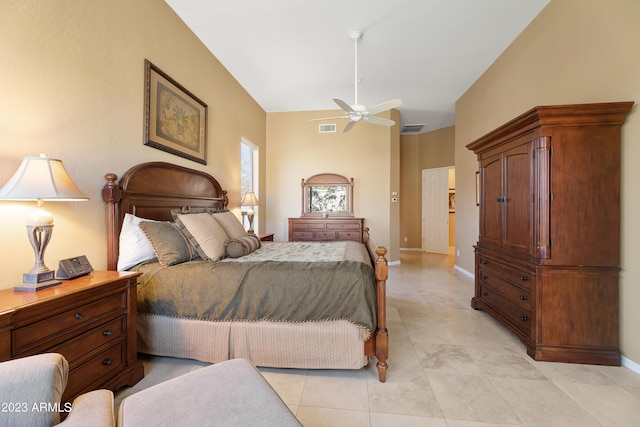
[357, 112]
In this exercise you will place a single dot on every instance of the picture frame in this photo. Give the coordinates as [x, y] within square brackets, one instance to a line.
[452, 200]
[175, 120]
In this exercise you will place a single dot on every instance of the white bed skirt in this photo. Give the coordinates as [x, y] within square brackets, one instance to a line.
[312, 345]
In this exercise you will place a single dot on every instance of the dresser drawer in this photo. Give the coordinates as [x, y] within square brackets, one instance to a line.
[301, 225]
[74, 349]
[42, 330]
[302, 235]
[347, 225]
[516, 314]
[349, 235]
[103, 365]
[324, 235]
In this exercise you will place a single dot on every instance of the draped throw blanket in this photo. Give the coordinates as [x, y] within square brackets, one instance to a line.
[288, 282]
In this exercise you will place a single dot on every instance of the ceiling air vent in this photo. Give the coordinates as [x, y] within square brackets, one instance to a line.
[412, 128]
[327, 128]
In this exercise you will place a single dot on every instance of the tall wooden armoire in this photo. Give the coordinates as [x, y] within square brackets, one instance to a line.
[548, 251]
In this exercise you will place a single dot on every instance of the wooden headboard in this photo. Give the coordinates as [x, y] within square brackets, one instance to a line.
[151, 190]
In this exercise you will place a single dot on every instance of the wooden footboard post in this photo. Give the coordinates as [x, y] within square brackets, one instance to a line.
[382, 334]
[111, 196]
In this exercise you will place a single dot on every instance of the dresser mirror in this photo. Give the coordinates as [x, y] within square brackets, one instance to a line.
[327, 195]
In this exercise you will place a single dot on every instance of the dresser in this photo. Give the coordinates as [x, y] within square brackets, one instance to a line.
[90, 320]
[548, 252]
[325, 229]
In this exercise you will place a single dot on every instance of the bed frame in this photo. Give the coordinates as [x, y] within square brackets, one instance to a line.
[151, 190]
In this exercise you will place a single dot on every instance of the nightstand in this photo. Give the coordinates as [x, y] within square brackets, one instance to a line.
[265, 237]
[90, 320]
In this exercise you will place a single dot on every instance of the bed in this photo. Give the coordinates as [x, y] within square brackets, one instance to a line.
[312, 334]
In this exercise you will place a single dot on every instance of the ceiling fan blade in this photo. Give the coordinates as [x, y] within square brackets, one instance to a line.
[385, 106]
[348, 127]
[346, 107]
[329, 118]
[378, 121]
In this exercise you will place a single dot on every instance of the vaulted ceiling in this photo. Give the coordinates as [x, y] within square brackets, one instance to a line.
[296, 55]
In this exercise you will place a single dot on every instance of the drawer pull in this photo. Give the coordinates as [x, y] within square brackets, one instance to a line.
[523, 278]
[484, 261]
[107, 362]
[79, 316]
[524, 318]
[500, 199]
[484, 277]
[523, 297]
[108, 332]
[485, 293]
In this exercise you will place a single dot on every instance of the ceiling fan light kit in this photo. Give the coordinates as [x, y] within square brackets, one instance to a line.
[357, 112]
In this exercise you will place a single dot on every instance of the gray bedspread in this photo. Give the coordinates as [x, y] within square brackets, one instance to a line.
[277, 282]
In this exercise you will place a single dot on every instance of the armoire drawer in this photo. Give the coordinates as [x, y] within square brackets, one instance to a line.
[518, 277]
[516, 314]
[518, 294]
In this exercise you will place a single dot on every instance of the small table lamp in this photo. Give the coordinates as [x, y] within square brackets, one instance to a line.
[40, 179]
[250, 199]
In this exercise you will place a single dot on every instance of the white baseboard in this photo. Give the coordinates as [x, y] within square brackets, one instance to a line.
[628, 363]
[463, 271]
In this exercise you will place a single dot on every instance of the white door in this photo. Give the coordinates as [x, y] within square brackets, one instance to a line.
[435, 210]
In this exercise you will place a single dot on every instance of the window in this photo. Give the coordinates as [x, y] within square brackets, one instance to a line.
[248, 172]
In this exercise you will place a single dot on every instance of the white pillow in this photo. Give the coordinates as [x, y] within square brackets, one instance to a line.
[134, 245]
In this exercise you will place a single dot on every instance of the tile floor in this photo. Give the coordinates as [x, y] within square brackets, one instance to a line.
[449, 366]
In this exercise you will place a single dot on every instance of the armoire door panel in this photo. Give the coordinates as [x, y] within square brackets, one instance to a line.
[490, 205]
[518, 199]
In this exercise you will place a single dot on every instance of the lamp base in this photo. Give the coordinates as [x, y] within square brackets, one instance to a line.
[33, 287]
[36, 280]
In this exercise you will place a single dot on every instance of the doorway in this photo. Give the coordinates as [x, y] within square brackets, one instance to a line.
[438, 209]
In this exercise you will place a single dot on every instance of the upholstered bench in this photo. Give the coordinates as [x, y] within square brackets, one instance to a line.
[230, 393]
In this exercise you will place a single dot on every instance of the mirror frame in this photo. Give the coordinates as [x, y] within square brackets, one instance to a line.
[326, 180]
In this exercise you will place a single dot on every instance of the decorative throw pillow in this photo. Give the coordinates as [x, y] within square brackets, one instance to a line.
[230, 224]
[169, 243]
[176, 212]
[242, 246]
[205, 234]
[134, 247]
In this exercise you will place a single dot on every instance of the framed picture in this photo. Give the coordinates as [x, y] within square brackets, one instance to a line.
[452, 200]
[175, 120]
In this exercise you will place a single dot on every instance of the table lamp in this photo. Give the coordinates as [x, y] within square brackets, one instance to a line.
[40, 179]
[250, 199]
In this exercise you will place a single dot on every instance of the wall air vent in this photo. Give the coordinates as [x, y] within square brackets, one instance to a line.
[412, 128]
[327, 128]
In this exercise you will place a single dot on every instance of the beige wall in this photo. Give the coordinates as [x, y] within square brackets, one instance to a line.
[367, 153]
[71, 79]
[575, 51]
[428, 150]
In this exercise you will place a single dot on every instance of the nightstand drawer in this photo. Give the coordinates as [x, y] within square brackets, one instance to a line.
[103, 365]
[74, 349]
[47, 328]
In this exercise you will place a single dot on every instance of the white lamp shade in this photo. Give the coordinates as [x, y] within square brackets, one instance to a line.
[249, 199]
[41, 178]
